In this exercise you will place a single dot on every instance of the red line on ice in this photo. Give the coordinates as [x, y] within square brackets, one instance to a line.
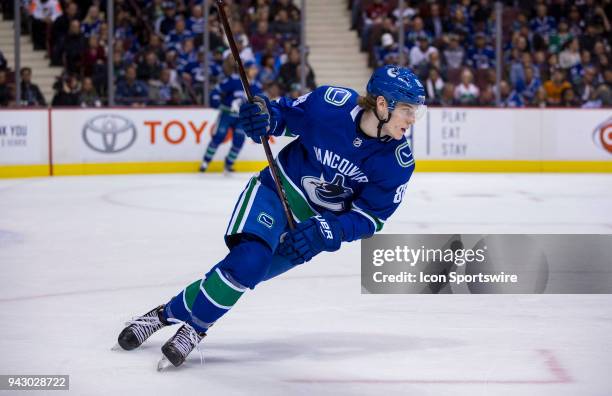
[560, 376]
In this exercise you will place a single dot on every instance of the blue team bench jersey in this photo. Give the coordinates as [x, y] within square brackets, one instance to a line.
[333, 166]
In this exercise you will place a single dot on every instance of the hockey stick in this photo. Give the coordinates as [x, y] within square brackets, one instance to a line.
[247, 90]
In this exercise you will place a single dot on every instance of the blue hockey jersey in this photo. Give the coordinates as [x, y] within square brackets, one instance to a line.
[228, 95]
[334, 166]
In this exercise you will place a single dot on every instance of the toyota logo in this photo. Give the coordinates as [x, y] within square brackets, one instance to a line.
[109, 133]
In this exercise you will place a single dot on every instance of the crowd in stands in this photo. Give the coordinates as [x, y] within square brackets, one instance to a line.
[554, 53]
[158, 50]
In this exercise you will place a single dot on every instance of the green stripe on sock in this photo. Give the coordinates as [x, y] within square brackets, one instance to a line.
[245, 203]
[219, 291]
[191, 292]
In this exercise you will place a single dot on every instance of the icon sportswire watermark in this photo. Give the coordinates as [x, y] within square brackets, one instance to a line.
[496, 264]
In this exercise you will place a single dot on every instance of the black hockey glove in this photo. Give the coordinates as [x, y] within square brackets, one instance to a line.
[254, 118]
[311, 237]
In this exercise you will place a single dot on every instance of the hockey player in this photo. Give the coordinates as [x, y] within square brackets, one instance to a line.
[227, 97]
[344, 175]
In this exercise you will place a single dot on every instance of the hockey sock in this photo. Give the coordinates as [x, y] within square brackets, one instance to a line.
[204, 301]
[237, 143]
[231, 157]
[210, 152]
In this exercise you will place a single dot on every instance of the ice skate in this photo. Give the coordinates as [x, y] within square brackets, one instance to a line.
[179, 346]
[203, 166]
[228, 170]
[141, 328]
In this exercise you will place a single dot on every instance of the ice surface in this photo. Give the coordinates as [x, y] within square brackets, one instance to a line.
[79, 255]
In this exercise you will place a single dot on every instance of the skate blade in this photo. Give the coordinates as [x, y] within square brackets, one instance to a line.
[163, 364]
[116, 347]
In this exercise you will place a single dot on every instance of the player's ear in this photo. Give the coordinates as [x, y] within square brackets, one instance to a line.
[381, 106]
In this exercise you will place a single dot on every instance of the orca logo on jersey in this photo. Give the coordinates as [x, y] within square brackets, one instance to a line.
[337, 96]
[392, 72]
[330, 195]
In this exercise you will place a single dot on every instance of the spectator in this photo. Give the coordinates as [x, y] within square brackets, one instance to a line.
[570, 56]
[434, 61]
[130, 91]
[419, 54]
[542, 25]
[187, 56]
[459, 24]
[261, 36]
[289, 74]
[593, 101]
[59, 31]
[5, 90]
[246, 53]
[155, 45]
[481, 56]
[273, 91]
[287, 6]
[176, 98]
[3, 63]
[466, 93]
[93, 57]
[67, 93]
[387, 46]
[196, 23]
[284, 27]
[88, 96]
[435, 23]
[42, 15]
[30, 93]
[487, 97]
[154, 10]
[586, 87]
[92, 23]
[576, 24]
[569, 99]
[175, 37]
[295, 91]
[519, 69]
[119, 66]
[448, 95]
[454, 53]
[555, 87]
[508, 96]
[74, 45]
[165, 24]
[149, 68]
[161, 92]
[530, 86]
[559, 38]
[268, 73]
[372, 18]
[541, 100]
[434, 86]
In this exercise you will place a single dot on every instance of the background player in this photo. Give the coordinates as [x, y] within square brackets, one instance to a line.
[227, 96]
[344, 176]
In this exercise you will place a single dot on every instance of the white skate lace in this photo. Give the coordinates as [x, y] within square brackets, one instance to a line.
[186, 340]
[144, 326]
